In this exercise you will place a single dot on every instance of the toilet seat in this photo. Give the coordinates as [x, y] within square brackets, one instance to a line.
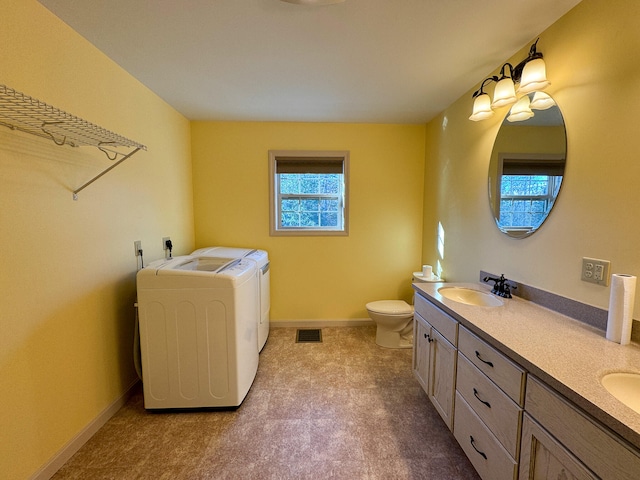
[390, 307]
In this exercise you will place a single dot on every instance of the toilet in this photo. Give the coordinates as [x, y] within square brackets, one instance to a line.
[394, 319]
[394, 326]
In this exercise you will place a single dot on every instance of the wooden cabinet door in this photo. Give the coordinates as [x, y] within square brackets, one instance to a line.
[543, 458]
[421, 351]
[442, 374]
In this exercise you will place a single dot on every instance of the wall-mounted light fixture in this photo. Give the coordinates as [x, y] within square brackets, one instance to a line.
[531, 75]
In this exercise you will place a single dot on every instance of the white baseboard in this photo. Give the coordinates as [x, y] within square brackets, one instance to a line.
[354, 322]
[49, 469]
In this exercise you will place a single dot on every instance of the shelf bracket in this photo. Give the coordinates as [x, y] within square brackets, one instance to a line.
[79, 189]
[106, 152]
[59, 143]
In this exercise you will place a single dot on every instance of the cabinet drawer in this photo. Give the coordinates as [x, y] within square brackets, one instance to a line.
[488, 456]
[501, 414]
[442, 322]
[599, 450]
[502, 371]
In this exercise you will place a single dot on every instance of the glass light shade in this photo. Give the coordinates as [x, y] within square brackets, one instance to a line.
[520, 111]
[481, 108]
[504, 93]
[541, 101]
[534, 76]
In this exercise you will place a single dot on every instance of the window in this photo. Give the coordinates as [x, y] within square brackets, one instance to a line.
[528, 188]
[308, 192]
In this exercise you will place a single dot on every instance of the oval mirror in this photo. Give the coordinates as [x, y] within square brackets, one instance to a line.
[527, 165]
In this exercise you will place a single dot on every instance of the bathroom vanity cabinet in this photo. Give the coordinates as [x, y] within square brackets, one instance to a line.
[510, 423]
[435, 356]
[557, 437]
[489, 401]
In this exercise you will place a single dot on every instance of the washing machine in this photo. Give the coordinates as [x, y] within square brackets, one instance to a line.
[198, 331]
[262, 259]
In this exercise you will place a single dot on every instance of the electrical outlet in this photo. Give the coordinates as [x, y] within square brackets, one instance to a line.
[138, 246]
[595, 271]
[164, 243]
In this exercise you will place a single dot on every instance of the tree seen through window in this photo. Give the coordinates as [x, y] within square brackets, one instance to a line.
[310, 200]
[525, 199]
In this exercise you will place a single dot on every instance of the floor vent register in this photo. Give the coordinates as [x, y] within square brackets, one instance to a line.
[309, 335]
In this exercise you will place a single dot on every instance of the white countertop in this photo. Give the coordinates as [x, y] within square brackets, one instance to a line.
[568, 355]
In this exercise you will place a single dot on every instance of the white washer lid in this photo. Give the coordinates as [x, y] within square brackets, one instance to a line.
[393, 307]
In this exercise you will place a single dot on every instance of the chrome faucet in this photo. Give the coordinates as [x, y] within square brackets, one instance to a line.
[501, 287]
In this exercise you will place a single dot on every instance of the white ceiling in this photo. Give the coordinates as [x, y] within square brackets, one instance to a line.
[382, 61]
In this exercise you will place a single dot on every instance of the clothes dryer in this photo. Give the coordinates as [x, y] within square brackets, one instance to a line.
[198, 331]
[262, 259]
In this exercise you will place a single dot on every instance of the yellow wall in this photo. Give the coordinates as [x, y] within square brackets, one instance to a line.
[67, 281]
[590, 56]
[539, 139]
[328, 278]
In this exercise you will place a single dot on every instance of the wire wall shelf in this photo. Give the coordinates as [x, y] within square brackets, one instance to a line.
[27, 114]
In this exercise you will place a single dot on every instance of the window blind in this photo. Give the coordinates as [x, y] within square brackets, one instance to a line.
[310, 165]
[551, 168]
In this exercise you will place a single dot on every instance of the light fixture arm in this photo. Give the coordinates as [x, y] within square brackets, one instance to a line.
[503, 73]
[480, 91]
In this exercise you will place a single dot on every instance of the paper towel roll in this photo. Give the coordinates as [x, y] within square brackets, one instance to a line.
[621, 300]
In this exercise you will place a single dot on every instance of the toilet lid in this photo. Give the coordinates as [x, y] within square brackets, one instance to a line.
[391, 307]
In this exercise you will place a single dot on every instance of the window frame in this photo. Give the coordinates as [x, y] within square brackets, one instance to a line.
[306, 156]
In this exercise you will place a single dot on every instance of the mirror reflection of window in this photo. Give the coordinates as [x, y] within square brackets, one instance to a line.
[528, 187]
[526, 169]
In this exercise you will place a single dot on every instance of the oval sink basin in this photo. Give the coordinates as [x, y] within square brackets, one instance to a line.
[625, 387]
[470, 296]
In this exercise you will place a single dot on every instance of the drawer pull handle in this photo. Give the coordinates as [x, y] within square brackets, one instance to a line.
[428, 337]
[475, 394]
[483, 361]
[484, 455]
